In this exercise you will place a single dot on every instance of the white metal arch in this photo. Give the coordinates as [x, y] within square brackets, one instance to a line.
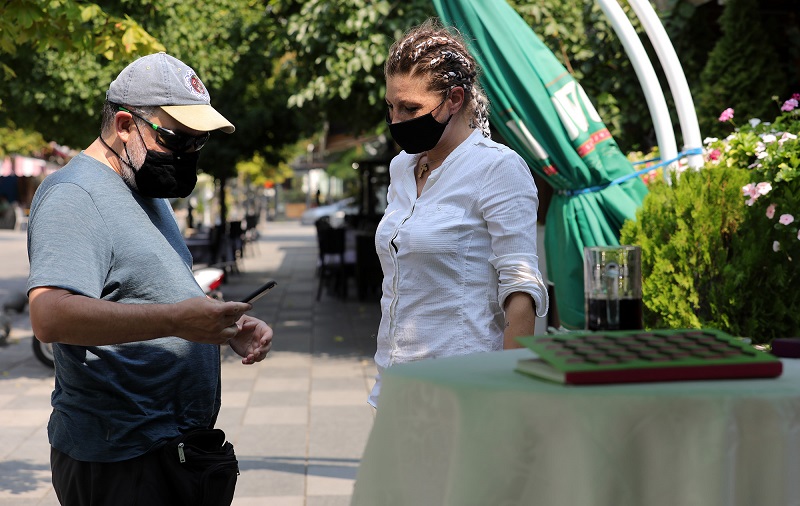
[684, 105]
[656, 103]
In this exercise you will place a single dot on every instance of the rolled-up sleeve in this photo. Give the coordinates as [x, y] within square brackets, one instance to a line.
[509, 202]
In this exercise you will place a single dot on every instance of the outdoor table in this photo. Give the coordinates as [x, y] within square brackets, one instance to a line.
[469, 430]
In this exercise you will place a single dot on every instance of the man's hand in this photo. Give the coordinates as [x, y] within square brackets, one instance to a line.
[205, 320]
[253, 340]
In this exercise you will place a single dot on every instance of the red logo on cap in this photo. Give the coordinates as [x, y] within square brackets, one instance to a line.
[194, 84]
[197, 84]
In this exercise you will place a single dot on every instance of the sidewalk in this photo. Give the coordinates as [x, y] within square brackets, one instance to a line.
[299, 420]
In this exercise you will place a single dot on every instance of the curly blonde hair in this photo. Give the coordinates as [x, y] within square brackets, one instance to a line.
[441, 54]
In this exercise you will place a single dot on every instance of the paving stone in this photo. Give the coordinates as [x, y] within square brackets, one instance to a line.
[339, 431]
[336, 500]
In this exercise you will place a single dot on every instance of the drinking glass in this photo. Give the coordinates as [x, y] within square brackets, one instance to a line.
[612, 280]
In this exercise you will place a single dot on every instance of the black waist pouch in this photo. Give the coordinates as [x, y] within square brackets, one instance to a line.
[202, 467]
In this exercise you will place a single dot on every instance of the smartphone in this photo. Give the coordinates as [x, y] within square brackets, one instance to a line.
[262, 290]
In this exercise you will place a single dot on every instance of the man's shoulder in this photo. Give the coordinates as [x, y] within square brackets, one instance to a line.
[85, 172]
[80, 167]
[83, 181]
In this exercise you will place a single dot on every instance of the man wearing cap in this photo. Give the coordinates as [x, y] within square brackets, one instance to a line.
[136, 342]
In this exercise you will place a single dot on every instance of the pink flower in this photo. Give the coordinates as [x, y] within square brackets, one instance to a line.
[714, 155]
[786, 219]
[796, 96]
[790, 105]
[756, 190]
[749, 190]
[798, 235]
[763, 188]
[771, 211]
[726, 115]
[776, 246]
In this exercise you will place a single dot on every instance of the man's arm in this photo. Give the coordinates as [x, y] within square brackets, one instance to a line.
[61, 316]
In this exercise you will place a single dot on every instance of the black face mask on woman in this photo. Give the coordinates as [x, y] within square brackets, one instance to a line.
[418, 134]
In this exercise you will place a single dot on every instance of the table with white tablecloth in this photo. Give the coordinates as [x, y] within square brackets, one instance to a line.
[469, 430]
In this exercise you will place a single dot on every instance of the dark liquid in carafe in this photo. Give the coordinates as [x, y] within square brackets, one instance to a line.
[630, 314]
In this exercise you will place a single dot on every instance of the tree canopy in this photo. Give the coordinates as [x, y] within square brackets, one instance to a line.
[68, 25]
[279, 69]
[337, 52]
[57, 88]
[31, 30]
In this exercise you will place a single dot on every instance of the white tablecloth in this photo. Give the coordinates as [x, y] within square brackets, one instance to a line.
[470, 431]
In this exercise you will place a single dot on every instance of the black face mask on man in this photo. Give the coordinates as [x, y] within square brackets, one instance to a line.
[163, 175]
[418, 134]
[166, 175]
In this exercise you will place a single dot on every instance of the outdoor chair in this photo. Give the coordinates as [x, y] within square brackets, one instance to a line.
[236, 236]
[222, 250]
[251, 235]
[334, 264]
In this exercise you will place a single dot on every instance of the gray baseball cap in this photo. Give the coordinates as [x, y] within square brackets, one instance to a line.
[160, 80]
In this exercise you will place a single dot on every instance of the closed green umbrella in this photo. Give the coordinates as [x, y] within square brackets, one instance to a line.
[544, 114]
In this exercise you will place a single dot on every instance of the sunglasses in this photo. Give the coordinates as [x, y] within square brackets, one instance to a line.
[176, 142]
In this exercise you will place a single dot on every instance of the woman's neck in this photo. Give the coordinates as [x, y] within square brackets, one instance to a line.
[449, 143]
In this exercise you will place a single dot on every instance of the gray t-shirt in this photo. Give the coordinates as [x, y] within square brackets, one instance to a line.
[89, 233]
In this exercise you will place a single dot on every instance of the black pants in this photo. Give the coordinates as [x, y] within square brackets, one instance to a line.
[135, 482]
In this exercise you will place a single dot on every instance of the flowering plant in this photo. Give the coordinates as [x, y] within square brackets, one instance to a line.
[720, 246]
[642, 160]
[771, 152]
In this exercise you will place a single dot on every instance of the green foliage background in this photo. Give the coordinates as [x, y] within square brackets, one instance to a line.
[742, 69]
[337, 51]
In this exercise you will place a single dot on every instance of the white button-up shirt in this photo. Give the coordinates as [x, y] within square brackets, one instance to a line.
[452, 256]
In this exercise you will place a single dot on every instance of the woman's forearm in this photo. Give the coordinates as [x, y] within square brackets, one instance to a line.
[520, 318]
